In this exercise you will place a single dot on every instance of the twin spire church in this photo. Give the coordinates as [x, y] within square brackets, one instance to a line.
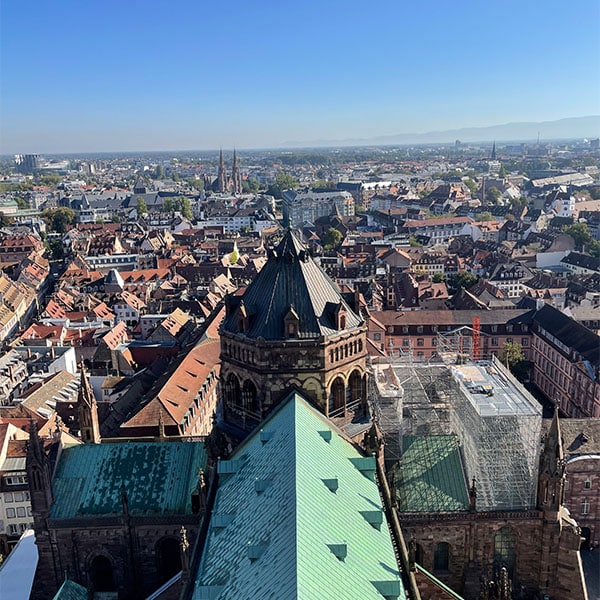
[224, 184]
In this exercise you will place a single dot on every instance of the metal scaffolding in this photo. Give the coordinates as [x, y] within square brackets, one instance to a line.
[499, 426]
[408, 398]
[497, 422]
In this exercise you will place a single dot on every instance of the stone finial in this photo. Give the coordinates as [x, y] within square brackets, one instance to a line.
[412, 553]
[473, 496]
[184, 549]
[161, 425]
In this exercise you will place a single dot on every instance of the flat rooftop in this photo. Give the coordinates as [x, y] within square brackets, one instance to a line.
[493, 392]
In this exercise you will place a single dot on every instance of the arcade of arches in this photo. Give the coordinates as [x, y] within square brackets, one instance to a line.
[345, 395]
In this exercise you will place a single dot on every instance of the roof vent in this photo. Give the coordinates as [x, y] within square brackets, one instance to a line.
[221, 521]
[228, 467]
[265, 436]
[390, 589]
[366, 465]
[261, 485]
[326, 435]
[340, 551]
[332, 484]
[255, 551]
[373, 518]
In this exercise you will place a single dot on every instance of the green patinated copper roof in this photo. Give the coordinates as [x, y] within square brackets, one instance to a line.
[158, 478]
[430, 475]
[70, 590]
[298, 516]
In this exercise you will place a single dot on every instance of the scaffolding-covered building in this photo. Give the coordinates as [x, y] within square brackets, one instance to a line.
[499, 425]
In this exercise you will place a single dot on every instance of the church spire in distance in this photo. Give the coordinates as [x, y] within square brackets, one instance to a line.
[222, 177]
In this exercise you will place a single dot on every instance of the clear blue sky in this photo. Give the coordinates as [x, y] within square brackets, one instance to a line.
[132, 75]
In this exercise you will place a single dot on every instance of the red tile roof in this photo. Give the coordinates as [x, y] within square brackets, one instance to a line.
[178, 393]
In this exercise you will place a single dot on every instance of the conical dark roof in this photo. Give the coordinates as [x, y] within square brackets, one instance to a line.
[290, 279]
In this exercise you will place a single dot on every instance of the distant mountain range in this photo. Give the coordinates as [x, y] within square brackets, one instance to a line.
[570, 128]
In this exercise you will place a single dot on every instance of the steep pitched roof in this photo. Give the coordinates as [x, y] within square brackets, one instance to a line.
[431, 477]
[158, 478]
[61, 386]
[568, 332]
[298, 516]
[177, 395]
[291, 278]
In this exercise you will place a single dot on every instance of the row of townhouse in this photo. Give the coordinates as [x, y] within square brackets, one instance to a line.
[439, 231]
[233, 220]
[426, 333]
[566, 362]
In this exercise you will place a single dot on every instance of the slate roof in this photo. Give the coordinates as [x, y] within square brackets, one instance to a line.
[61, 386]
[292, 517]
[158, 479]
[570, 333]
[580, 437]
[291, 278]
[584, 261]
[431, 476]
[454, 318]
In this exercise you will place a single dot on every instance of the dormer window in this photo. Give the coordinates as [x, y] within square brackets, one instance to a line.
[291, 323]
[243, 319]
[340, 317]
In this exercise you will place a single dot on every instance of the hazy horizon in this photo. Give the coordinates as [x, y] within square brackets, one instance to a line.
[114, 76]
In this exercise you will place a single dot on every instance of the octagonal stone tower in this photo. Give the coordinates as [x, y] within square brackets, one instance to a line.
[292, 329]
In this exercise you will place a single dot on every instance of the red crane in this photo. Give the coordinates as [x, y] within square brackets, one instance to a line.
[476, 322]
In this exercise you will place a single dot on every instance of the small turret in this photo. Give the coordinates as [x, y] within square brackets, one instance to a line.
[552, 468]
[38, 473]
[87, 411]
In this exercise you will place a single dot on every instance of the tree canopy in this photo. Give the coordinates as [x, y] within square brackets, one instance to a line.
[471, 185]
[22, 204]
[196, 183]
[492, 195]
[186, 208]
[59, 219]
[463, 279]
[141, 206]
[580, 233]
[331, 239]
[284, 181]
[250, 185]
[511, 354]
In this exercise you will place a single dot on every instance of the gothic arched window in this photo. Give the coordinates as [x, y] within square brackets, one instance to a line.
[441, 557]
[505, 549]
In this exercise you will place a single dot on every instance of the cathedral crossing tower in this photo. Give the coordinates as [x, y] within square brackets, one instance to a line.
[292, 329]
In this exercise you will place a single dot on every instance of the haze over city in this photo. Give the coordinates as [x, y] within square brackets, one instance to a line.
[147, 76]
